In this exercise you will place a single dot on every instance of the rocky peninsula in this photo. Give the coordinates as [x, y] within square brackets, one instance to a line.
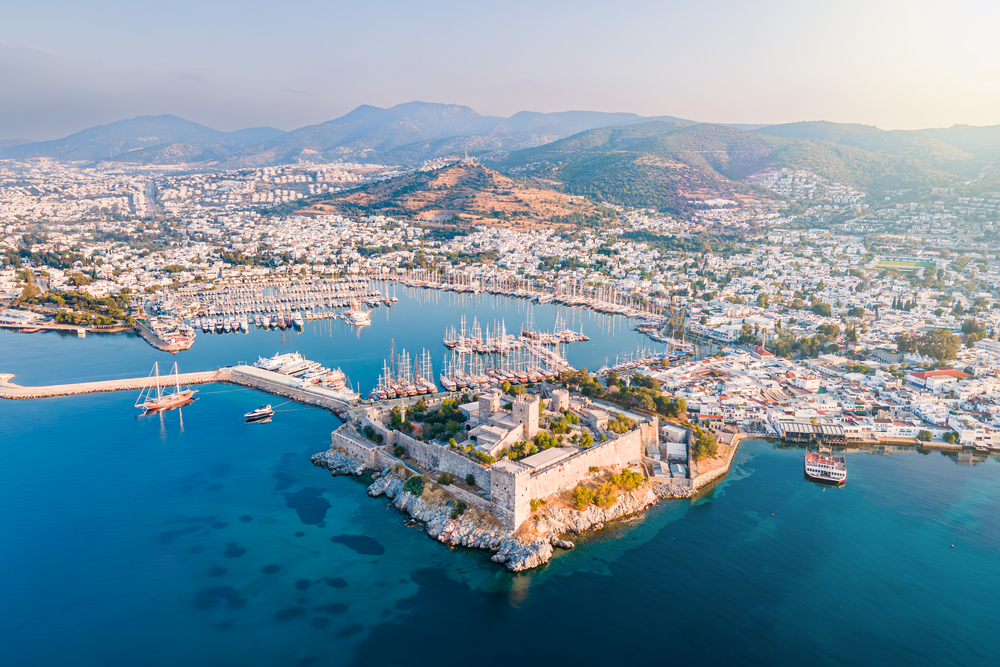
[453, 521]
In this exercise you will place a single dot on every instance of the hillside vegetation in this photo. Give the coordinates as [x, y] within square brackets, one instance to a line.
[460, 193]
[665, 165]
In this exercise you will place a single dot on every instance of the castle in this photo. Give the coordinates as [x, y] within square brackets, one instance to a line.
[490, 429]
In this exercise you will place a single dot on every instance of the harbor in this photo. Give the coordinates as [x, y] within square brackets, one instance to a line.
[340, 355]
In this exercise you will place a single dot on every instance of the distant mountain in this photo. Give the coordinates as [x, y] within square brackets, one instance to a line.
[367, 131]
[980, 142]
[900, 143]
[416, 131]
[118, 141]
[665, 165]
[460, 193]
[5, 143]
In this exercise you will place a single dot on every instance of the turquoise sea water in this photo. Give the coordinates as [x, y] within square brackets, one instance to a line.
[193, 538]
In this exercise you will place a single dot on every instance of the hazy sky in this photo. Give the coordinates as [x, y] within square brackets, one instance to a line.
[67, 65]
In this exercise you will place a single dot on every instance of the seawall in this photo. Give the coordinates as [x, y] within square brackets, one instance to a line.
[12, 391]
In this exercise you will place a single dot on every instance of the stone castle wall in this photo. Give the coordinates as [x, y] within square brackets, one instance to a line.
[515, 486]
[512, 486]
[443, 459]
[364, 453]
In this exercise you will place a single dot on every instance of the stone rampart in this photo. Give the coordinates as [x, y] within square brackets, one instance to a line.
[363, 452]
[442, 459]
[388, 437]
[515, 486]
[472, 499]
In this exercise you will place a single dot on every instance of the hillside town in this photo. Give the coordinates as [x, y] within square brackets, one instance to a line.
[874, 325]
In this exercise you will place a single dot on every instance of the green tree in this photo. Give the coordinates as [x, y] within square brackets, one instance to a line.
[620, 424]
[939, 344]
[924, 436]
[822, 309]
[972, 330]
[706, 446]
[605, 495]
[582, 496]
[907, 343]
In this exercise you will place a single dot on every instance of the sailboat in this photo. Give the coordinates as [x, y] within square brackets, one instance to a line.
[160, 401]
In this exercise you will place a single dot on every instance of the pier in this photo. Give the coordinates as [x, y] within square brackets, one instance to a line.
[244, 376]
[10, 390]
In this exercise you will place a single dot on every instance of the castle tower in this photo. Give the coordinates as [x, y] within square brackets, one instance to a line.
[489, 403]
[560, 400]
[526, 412]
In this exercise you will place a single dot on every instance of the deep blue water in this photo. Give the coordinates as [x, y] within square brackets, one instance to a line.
[195, 538]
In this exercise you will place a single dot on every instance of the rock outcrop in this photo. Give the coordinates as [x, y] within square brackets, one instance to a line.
[338, 462]
[530, 547]
[556, 521]
[471, 529]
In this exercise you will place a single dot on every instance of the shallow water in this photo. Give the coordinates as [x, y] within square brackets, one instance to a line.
[191, 537]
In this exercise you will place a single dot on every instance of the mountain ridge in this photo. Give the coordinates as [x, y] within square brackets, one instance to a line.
[111, 141]
[665, 166]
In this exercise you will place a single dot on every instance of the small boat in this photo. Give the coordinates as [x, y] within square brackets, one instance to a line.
[260, 414]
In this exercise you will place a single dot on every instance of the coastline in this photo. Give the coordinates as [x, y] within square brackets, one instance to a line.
[531, 544]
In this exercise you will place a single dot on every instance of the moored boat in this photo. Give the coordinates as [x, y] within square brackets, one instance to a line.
[823, 466]
[160, 401]
[260, 414]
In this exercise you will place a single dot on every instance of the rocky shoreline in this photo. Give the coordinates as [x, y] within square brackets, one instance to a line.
[528, 547]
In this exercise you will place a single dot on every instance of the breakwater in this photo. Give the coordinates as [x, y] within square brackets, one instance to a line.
[282, 385]
[10, 390]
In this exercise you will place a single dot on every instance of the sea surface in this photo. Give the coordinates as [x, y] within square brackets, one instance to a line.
[193, 538]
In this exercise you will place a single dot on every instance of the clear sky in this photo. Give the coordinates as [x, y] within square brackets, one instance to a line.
[67, 65]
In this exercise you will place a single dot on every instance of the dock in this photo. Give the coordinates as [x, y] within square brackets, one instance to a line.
[244, 376]
[10, 390]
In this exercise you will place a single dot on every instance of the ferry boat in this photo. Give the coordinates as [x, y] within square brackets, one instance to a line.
[160, 401]
[823, 466]
[260, 414]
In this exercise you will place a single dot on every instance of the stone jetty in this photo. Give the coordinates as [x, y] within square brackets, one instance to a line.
[10, 390]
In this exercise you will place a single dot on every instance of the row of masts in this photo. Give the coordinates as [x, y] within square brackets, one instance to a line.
[518, 365]
[498, 341]
[493, 341]
[318, 297]
[402, 377]
[602, 298]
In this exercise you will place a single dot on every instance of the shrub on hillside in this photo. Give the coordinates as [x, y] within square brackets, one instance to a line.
[415, 485]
